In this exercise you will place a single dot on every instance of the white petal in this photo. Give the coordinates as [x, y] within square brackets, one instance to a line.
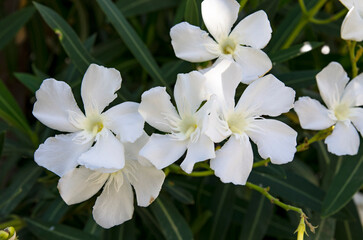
[107, 155]
[266, 96]
[352, 26]
[217, 129]
[147, 182]
[356, 115]
[189, 92]
[80, 184]
[331, 82]
[115, 205]
[219, 16]
[155, 106]
[254, 62]
[222, 80]
[59, 154]
[163, 150]
[344, 140]
[98, 89]
[192, 44]
[124, 120]
[198, 151]
[353, 93]
[254, 30]
[132, 150]
[55, 101]
[233, 162]
[348, 3]
[312, 114]
[274, 140]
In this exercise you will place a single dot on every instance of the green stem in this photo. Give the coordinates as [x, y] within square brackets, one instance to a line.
[262, 163]
[353, 60]
[303, 7]
[242, 4]
[264, 191]
[331, 19]
[321, 135]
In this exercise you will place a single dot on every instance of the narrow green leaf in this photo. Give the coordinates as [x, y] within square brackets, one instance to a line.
[298, 79]
[55, 211]
[174, 226]
[179, 193]
[137, 7]
[257, 218]
[68, 38]
[347, 181]
[2, 140]
[294, 51]
[287, 26]
[222, 201]
[293, 188]
[30, 81]
[21, 184]
[93, 228]
[349, 229]
[325, 230]
[149, 222]
[132, 40]
[191, 14]
[46, 231]
[10, 25]
[11, 113]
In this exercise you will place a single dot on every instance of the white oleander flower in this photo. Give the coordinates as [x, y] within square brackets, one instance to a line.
[352, 25]
[56, 108]
[242, 44]
[115, 204]
[266, 96]
[184, 127]
[343, 100]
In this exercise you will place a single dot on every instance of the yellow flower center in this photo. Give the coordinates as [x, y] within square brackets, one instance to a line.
[187, 126]
[237, 123]
[94, 124]
[228, 46]
[342, 112]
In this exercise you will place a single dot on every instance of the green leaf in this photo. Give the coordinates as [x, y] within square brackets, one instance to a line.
[67, 37]
[11, 113]
[179, 193]
[347, 181]
[10, 25]
[222, 201]
[46, 231]
[298, 79]
[137, 7]
[325, 230]
[293, 188]
[257, 218]
[191, 14]
[21, 184]
[132, 40]
[293, 52]
[349, 229]
[93, 228]
[173, 225]
[30, 81]
[149, 222]
[2, 140]
[55, 211]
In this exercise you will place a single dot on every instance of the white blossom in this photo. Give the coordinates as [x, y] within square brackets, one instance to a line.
[184, 127]
[343, 112]
[242, 44]
[115, 204]
[266, 96]
[352, 25]
[91, 140]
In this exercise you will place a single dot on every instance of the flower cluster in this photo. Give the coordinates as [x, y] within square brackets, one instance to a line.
[110, 150]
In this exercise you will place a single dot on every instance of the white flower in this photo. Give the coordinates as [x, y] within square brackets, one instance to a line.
[115, 205]
[342, 100]
[266, 96]
[243, 44]
[352, 25]
[185, 127]
[56, 108]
